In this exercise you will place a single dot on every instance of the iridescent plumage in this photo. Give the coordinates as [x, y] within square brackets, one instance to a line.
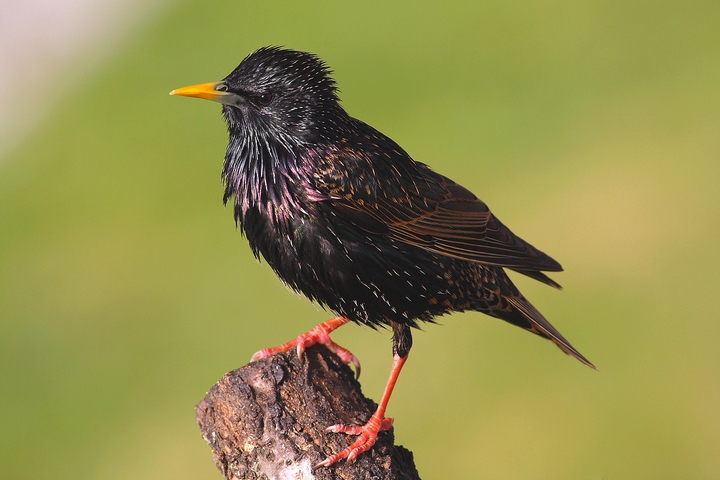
[345, 216]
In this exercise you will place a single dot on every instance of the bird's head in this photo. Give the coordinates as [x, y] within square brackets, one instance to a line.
[278, 92]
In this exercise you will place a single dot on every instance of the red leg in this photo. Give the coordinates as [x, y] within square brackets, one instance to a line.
[367, 434]
[319, 334]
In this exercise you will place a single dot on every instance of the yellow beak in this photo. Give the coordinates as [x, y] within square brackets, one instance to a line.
[208, 91]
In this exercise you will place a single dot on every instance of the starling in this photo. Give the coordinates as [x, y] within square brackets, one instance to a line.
[345, 216]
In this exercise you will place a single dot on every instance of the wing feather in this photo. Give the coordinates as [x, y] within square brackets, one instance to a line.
[410, 203]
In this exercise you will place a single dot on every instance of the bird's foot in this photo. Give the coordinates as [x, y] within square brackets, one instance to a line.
[320, 334]
[367, 435]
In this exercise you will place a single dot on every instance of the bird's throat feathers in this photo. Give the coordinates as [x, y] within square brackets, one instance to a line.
[260, 172]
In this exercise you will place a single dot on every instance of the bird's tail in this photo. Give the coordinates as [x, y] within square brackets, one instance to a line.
[524, 315]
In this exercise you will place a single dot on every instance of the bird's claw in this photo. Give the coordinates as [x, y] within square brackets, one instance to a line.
[318, 335]
[343, 354]
[367, 436]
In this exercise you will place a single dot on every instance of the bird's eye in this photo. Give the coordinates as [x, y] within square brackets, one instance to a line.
[221, 87]
[265, 99]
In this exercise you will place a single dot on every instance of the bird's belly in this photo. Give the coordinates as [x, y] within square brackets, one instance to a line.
[367, 278]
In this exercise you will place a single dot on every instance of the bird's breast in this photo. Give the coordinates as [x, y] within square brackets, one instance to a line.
[297, 245]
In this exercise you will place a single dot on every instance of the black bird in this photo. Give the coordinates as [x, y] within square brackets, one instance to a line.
[345, 216]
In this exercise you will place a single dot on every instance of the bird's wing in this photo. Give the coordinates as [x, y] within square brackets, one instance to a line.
[382, 190]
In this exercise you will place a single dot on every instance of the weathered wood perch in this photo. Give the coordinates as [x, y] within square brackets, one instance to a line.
[267, 421]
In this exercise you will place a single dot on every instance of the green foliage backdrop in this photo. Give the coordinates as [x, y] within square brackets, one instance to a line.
[591, 129]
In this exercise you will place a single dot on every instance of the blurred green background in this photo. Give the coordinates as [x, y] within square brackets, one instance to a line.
[592, 129]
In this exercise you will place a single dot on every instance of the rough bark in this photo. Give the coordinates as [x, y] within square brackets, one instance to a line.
[267, 420]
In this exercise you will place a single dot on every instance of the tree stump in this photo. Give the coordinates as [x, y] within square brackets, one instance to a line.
[267, 421]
